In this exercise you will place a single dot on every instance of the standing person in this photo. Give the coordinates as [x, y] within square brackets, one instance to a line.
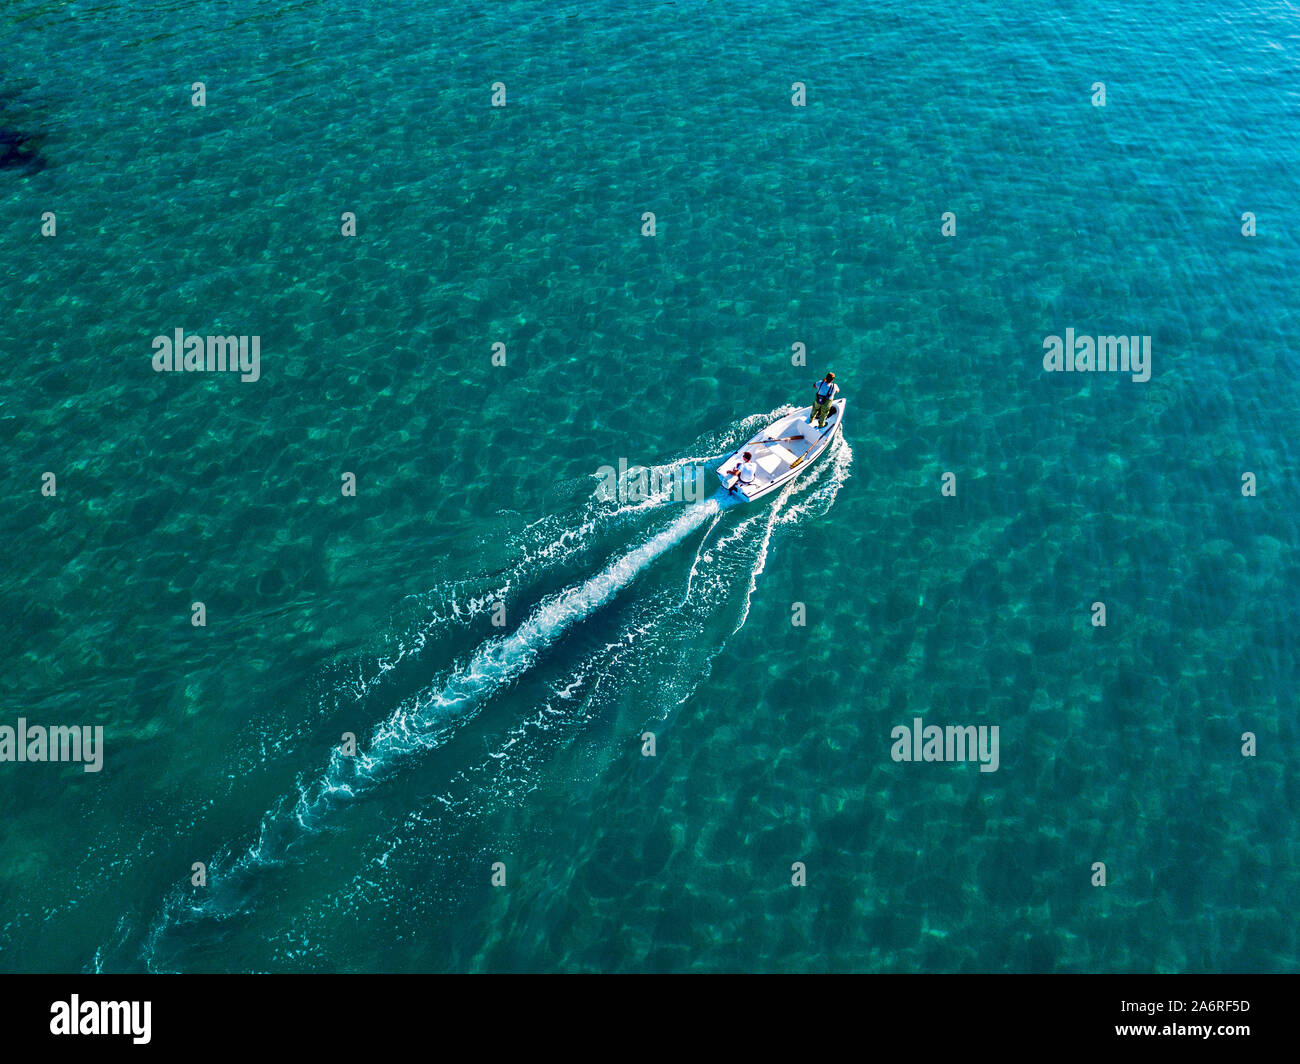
[827, 389]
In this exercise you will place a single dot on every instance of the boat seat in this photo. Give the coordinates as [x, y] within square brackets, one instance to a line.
[783, 453]
[768, 462]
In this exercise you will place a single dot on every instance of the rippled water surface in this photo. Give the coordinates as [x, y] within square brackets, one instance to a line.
[514, 734]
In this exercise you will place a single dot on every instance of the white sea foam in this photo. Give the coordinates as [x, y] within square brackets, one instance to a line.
[425, 722]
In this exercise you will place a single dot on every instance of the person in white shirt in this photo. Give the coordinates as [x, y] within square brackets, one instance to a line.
[826, 392]
[745, 471]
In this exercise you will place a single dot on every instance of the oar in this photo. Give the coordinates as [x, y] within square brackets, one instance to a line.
[783, 439]
[807, 452]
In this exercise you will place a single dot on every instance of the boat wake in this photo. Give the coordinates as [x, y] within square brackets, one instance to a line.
[666, 625]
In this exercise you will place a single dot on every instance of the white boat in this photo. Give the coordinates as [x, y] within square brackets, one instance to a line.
[781, 451]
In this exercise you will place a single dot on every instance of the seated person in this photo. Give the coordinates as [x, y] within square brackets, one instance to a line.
[745, 472]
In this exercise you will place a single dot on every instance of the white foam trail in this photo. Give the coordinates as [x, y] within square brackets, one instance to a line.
[425, 722]
[499, 661]
[459, 608]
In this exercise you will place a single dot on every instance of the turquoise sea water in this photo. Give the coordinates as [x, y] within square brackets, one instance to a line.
[520, 743]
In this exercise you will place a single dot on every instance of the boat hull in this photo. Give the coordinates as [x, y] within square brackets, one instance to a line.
[782, 451]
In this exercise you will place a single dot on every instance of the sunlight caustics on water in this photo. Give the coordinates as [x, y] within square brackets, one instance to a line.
[779, 228]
